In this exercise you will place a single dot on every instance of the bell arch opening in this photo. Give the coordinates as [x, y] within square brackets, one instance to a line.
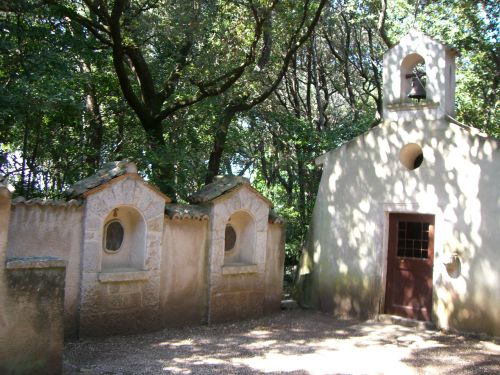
[413, 78]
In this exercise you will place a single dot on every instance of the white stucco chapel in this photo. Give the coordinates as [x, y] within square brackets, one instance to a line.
[407, 216]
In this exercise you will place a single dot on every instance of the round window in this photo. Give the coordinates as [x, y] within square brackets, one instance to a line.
[411, 156]
[229, 238]
[113, 236]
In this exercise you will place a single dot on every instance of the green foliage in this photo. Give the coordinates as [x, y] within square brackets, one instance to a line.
[47, 69]
[473, 28]
[285, 148]
[63, 111]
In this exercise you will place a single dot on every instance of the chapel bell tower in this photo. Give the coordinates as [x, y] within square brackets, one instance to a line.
[419, 79]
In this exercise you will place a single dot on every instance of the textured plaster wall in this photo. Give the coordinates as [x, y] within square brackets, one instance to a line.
[42, 230]
[275, 260]
[167, 272]
[237, 291]
[4, 229]
[31, 342]
[31, 309]
[123, 299]
[363, 181]
[183, 292]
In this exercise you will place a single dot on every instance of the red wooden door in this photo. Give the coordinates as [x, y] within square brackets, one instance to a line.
[409, 266]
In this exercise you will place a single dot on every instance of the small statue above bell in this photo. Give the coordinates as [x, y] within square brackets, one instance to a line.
[417, 88]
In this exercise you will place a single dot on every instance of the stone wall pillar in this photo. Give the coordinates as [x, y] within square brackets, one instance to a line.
[236, 290]
[32, 341]
[275, 259]
[4, 230]
[31, 308]
[122, 298]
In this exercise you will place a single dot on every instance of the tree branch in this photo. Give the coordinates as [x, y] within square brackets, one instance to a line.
[292, 48]
[95, 28]
[381, 24]
[119, 63]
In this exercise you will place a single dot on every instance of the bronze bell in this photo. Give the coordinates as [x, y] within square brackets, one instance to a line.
[417, 89]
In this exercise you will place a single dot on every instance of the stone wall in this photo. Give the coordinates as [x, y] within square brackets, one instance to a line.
[31, 308]
[4, 229]
[32, 340]
[184, 272]
[124, 298]
[237, 290]
[170, 268]
[51, 230]
[275, 259]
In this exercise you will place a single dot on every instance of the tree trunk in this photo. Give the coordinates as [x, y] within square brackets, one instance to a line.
[220, 138]
[162, 166]
[95, 130]
[120, 121]
[317, 87]
[377, 81]
[22, 182]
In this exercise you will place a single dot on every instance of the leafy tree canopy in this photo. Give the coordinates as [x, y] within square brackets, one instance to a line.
[191, 89]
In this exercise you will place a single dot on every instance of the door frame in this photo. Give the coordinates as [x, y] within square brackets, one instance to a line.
[420, 268]
[410, 208]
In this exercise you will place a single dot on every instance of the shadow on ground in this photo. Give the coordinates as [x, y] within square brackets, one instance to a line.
[292, 342]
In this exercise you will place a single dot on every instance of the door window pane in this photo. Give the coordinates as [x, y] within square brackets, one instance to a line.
[413, 239]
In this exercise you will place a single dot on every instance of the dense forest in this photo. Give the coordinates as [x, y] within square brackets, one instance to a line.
[192, 89]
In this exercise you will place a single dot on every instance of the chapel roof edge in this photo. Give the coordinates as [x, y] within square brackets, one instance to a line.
[415, 32]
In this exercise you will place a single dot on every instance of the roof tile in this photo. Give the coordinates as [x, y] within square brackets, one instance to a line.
[105, 174]
[220, 186]
[186, 212]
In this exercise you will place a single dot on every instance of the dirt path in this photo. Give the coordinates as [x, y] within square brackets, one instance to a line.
[292, 342]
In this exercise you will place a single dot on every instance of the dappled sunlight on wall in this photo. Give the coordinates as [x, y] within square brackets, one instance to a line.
[419, 160]
[359, 180]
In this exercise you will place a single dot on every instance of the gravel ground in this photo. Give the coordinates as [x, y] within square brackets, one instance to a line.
[291, 342]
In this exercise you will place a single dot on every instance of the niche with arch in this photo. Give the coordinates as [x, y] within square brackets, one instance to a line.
[412, 68]
[123, 240]
[239, 239]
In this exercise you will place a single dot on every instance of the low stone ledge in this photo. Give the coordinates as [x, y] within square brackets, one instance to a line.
[409, 106]
[17, 263]
[406, 322]
[239, 268]
[120, 275]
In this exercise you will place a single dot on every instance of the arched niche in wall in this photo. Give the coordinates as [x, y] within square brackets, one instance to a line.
[240, 239]
[123, 240]
[412, 69]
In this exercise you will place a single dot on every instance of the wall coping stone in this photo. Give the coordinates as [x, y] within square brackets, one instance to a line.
[187, 212]
[274, 218]
[122, 274]
[47, 202]
[15, 263]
